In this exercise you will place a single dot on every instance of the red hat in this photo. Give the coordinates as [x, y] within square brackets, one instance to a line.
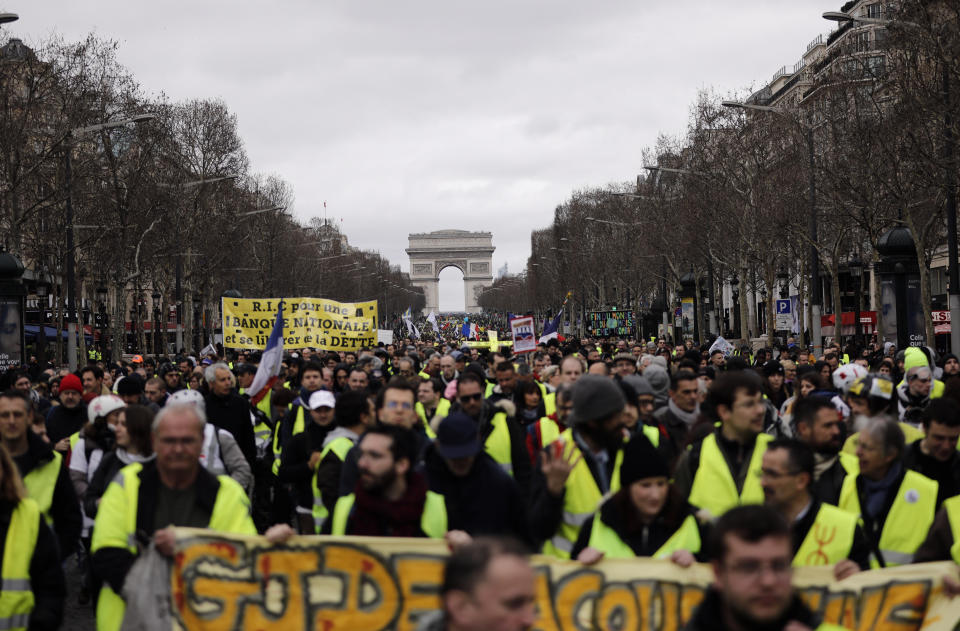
[71, 382]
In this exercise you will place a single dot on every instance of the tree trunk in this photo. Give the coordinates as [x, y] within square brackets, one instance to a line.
[119, 320]
[187, 322]
[769, 280]
[82, 342]
[837, 306]
[744, 311]
[698, 310]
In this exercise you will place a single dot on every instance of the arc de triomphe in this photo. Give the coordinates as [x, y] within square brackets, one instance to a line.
[470, 252]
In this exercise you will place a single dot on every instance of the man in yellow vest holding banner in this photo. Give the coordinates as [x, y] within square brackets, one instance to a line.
[575, 471]
[145, 501]
[821, 534]
[721, 470]
[895, 505]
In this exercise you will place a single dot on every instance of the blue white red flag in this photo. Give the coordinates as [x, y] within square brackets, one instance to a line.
[270, 363]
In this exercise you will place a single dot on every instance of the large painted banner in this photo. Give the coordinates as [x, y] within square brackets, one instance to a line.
[221, 583]
[314, 322]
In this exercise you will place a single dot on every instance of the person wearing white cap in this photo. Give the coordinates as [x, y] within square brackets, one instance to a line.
[302, 455]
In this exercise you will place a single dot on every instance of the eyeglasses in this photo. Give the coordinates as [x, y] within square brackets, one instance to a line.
[399, 404]
[753, 569]
[775, 475]
[471, 397]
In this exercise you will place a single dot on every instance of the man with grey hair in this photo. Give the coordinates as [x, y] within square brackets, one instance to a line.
[147, 500]
[448, 368]
[896, 505]
[914, 393]
[228, 410]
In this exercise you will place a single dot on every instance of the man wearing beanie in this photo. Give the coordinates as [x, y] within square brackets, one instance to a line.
[574, 472]
[68, 418]
[643, 518]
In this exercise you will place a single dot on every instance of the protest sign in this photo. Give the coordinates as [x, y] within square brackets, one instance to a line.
[611, 323]
[521, 330]
[314, 322]
[220, 583]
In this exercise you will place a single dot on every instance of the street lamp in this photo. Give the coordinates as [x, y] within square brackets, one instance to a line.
[856, 270]
[71, 254]
[949, 179]
[815, 291]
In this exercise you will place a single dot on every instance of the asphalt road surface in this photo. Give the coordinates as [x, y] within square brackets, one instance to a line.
[76, 617]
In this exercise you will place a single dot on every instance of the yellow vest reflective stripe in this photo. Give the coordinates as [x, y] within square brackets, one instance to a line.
[41, 483]
[606, 540]
[16, 595]
[340, 446]
[581, 498]
[498, 444]
[952, 508]
[116, 527]
[714, 488]
[908, 521]
[829, 540]
[433, 521]
[549, 430]
[298, 425]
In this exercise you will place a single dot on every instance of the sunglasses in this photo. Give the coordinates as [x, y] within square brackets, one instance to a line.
[471, 397]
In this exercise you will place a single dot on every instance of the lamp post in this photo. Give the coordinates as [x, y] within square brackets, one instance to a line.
[949, 178]
[815, 291]
[71, 254]
[856, 271]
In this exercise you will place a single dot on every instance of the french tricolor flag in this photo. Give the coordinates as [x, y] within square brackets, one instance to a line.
[270, 364]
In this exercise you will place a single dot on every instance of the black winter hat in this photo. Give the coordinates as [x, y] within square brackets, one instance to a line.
[130, 385]
[595, 397]
[641, 460]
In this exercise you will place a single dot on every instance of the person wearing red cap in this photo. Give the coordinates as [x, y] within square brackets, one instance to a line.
[70, 416]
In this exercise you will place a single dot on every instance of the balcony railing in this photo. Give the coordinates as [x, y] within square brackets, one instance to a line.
[818, 40]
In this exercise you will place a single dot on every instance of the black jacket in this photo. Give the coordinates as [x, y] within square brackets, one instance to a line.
[232, 413]
[946, 474]
[708, 616]
[487, 501]
[112, 564]
[65, 509]
[63, 422]
[827, 487]
[295, 460]
[46, 574]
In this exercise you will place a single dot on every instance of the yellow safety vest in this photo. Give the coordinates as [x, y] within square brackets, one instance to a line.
[264, 404]
[908, 521]
[581, 498]
[549, 430]
[952, 508]
[488, 391]
[116, 527]
[714, 488]
[443, 409]
[829, 540]
[424, 375]
[41, 483]
[340, 446]
[549, 400]
[652, 433]
[498, 442]
[298, 425]
[433, 521]
[16, 595]
[606, 540]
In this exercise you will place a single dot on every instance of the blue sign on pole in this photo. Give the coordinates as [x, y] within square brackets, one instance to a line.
[783, 306]
[784, 314]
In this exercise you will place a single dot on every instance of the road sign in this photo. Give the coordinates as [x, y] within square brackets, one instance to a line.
[784, 314]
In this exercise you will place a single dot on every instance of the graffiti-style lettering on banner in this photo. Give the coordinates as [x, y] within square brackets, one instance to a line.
[223, 583]
[315, 322]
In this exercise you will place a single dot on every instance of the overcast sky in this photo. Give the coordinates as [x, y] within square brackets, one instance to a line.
[415, 116]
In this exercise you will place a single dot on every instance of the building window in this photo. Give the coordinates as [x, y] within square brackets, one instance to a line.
[877, 65]
[938, 281]
[872, 11]
[861, 42]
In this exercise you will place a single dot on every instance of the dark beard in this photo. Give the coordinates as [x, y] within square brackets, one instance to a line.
[379, 483]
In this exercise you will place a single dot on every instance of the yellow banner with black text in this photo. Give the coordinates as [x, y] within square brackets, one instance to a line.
[221, 583]
[314, 322]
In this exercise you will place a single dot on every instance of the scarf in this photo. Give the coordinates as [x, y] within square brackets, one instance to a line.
[376, 516]
[822, 462]
[877, 491]
[688, 418]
